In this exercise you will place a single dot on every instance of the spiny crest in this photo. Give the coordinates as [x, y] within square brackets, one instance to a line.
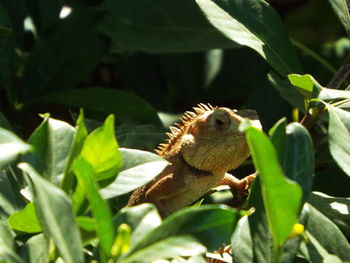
[181, 128]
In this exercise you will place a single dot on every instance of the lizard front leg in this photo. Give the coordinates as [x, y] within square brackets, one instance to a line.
[239, 187]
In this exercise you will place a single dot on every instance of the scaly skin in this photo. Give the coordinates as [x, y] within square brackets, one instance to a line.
[200, 152]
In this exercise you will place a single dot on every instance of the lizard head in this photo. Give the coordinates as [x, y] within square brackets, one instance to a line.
[209, 138]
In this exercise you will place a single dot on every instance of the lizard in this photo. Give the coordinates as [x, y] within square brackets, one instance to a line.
[201, 149]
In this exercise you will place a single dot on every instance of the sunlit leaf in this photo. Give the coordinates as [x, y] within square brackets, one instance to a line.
[339, 143]
[281, 196]
[10, 147]
[100, 150]
[100, 210]
[138, 168]
[25, 220]
[256, 25]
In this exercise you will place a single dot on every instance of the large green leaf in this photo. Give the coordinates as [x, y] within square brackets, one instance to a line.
[100, 150]
[338, 130]
[52, 142]
[160, 26]
[281, 196]
[36, 249]
[324, 238]
[10, 148]
[126, 106]
[254, 24]
[212, 225]
[341, 8]
[7, 245]
[100, 210]
[138, 168]
[55, 214]
[25, 220]
[64, 56]
[293, 144]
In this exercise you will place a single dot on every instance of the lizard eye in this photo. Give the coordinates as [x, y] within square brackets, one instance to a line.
[221, 122]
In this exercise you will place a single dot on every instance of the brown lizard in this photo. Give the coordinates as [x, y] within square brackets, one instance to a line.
[200, 151]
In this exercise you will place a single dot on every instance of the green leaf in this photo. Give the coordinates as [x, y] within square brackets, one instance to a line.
[100, 210]
[107, 101]
[211, 225]
[64, 56]
[7, 245]
[36, 249]
[55, 214]
[25, 220]
[305, 84]
[158, 26]
[324, 238]
[100, 150]
[242, 242]
[77, 144]
[10, 148]
[256, 25]
[341, 8]
[4, 123]
[335, 208]
[11, 199]
[138, 169]
[277, 190]
[338, 132]
[287, 91]
[293, 144]
[171, 247]
[142, 219]
[52, 142]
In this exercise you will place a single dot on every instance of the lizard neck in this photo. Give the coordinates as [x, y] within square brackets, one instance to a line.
[178, 162]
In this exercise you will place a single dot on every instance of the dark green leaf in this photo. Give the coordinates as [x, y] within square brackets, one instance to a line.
[335, 208]
[25, 220]
[138, 168]
[159, 26]
[256, 25]
[104, 227]
[45, 14]
[100, 150]
[324, 238]
[287, 91]
[55, 214]
[341, 8]
[4, 123]
[10, 148]
[294, 147]
[277, 190]
[10, 198]
[36, 249]
[339, 144]
[108, 101]
[52, 142]
[64, 56]
[140, 136]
